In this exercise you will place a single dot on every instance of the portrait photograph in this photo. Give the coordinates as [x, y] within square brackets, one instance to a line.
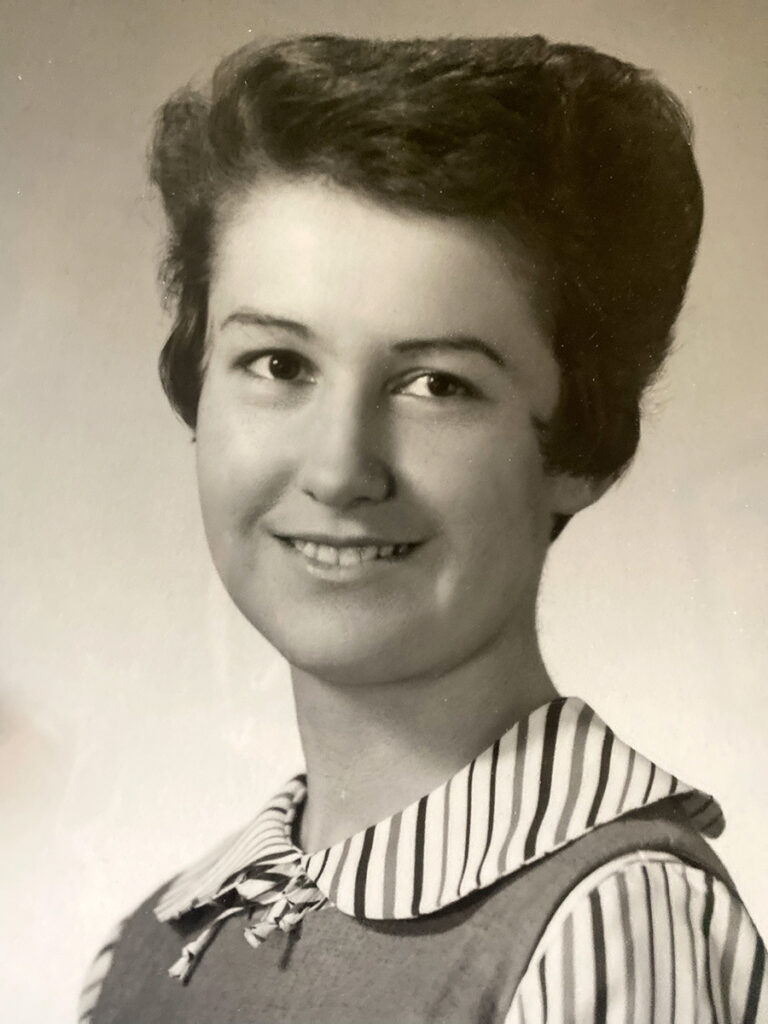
[384, 507]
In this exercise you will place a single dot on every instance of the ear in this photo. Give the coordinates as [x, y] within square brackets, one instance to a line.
[570, 494]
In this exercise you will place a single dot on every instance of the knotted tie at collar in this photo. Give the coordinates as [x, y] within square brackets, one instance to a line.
[261, 875]
[273, 892]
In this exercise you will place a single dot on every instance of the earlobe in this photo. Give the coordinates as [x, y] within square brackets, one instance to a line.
[571, 494]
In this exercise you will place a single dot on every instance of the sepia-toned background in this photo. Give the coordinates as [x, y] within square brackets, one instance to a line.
[140, 718]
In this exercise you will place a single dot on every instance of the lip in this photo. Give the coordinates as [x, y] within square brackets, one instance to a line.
[336, 541]
[344, 566]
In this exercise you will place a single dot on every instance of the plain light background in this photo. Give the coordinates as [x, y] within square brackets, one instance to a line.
[141, 717]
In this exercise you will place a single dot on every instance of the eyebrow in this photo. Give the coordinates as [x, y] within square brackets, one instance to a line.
[460, 343]
[455, 343]
[253, 318]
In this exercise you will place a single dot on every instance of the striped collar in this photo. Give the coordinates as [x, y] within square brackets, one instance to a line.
[553, 777]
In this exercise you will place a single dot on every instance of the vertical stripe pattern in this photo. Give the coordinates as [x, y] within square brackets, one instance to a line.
[682, 948]
[550, 779]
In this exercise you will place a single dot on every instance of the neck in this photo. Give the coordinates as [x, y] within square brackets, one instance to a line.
[372, 750]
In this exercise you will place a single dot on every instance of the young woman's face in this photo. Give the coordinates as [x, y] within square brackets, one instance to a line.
[371, 483]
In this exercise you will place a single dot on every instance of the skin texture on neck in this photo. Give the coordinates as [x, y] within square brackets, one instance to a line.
[373, 750]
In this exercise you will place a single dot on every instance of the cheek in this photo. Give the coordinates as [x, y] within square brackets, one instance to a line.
[484, 491]
[487, 485]
[240, 468]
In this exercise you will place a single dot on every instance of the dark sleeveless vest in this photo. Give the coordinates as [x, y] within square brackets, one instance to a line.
[463, 963]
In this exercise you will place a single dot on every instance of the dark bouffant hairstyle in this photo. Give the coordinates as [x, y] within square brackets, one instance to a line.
[584, 159]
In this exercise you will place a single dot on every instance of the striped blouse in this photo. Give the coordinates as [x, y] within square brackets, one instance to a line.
[646, 938]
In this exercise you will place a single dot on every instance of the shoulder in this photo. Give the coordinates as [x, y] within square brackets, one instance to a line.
[97, 972]
[646, 937]
[136, 945]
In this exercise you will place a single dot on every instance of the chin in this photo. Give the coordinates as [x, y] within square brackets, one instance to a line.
[351, 655]
[344, 661]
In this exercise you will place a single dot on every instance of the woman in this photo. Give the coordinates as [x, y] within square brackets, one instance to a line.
[420, 289]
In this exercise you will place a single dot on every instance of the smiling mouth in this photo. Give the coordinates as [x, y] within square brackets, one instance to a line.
[344, 554]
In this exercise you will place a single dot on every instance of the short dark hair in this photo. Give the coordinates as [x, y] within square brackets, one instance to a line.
[584, 158]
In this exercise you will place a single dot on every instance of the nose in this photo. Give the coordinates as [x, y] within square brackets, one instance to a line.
[344, 462]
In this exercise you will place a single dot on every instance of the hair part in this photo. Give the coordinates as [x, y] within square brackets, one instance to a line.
[584, 159]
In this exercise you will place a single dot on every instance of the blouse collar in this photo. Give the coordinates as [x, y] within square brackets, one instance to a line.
[551, 778]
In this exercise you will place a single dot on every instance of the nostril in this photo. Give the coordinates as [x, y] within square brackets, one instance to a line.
[345, 488]
[344, 459]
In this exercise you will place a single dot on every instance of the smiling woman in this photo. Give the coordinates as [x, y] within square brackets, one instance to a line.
[402, 416]
[420, 289]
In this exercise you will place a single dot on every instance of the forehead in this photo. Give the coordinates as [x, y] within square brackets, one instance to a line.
[327, 239]
[348, 267]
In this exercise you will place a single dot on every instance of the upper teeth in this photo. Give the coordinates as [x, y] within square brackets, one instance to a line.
[350, 555]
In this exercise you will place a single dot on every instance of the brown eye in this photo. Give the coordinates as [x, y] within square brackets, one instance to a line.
[282, 365]
[437, 385]
[442, 386]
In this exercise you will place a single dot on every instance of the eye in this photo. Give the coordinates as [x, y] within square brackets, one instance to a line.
[278, 364]
[437, 385]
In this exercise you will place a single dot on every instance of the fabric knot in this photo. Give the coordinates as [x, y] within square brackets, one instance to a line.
[273, 892]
